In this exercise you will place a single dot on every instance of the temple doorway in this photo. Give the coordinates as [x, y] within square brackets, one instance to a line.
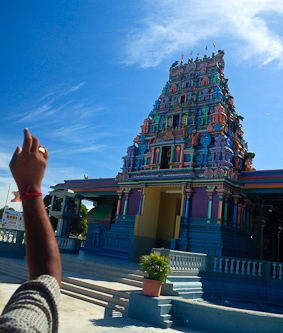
[169, 209]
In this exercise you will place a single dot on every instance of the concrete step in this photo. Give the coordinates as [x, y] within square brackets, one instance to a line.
[110, 294]
[92, 266]
[167, 314]
[119, 290]
[94, 301]
[183, 279]
[165, 308]
[114, 273]
[191, 294]
[18, 271]
[98, 295]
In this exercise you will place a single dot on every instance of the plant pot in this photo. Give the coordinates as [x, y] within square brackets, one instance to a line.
[151, 287]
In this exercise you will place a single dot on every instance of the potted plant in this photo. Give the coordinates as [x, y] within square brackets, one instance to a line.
[157, 269]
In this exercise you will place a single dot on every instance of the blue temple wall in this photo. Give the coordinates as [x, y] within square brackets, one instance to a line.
[92, 243]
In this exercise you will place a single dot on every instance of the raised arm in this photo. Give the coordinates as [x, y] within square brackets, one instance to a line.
[28, 166]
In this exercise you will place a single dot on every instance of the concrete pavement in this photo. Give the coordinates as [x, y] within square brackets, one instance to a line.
[80, 316]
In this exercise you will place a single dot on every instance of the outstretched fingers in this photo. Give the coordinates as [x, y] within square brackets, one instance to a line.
[35, 144]
[15, 155]
[27, 144]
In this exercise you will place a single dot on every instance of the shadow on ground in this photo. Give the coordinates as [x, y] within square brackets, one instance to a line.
[10, 279]
[118, 320]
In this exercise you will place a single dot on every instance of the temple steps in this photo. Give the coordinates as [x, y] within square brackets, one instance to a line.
[13, 267]
[104, 285]
[102, 271]
[95, 301]
[109, 299]
[188, 287]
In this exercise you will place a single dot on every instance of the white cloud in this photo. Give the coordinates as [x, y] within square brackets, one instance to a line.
[6, 182]
[172, 26]
[77, 87]
[4, 161]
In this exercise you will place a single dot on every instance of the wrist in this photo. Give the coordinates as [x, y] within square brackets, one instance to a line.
[33, 188]
[31, 191]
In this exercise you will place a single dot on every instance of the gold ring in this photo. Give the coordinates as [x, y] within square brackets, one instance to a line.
[42, 150]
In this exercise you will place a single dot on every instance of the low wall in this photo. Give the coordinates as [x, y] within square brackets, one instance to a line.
[68, 245]
[147, 309]
[12, 243]
[220, 319]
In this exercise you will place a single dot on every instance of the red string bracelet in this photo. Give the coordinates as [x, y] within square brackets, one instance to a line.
[27, 194]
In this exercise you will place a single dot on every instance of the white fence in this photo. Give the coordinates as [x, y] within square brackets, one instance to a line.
[237, 266]
[198, 262]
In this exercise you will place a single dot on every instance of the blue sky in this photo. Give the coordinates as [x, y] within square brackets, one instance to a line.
[82, 75]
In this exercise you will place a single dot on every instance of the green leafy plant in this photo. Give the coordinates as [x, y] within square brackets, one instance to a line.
[156, 267]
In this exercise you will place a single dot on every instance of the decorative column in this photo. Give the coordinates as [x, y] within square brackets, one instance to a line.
[172, 155]
[189, 192]
[159, 160]
[152, 156]
[246, 215]
[209, 191]
[240, 216]
[227, 195]
[52, 203]
[236, 197]
[182, 155]
[183, 237]
[221, 193]
[119, 202]
[141, 191]
[127, 193]
[178, 153]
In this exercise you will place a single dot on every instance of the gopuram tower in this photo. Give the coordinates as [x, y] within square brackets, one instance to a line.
[179, 181]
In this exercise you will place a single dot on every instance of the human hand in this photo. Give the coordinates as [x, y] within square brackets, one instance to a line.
[28, 164]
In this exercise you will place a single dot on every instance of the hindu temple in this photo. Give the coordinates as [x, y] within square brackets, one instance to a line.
[187, 181]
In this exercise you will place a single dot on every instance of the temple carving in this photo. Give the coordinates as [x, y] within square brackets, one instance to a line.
[193, 125]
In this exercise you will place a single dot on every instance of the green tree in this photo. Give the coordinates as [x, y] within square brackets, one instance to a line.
[79, 226]
[2, 210]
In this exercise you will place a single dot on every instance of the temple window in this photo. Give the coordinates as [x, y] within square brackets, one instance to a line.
[175, 120]
[183, 99]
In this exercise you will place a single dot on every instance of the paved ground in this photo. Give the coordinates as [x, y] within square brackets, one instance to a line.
[79, 316]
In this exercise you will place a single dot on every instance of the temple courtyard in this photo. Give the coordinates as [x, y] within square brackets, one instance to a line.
[79, 316]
